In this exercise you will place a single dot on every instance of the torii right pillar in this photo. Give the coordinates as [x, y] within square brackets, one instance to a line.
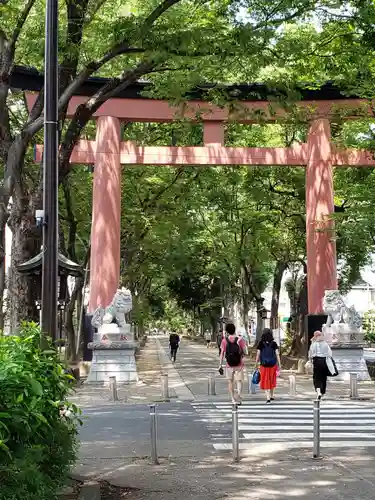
[321, 252]
[320, 240]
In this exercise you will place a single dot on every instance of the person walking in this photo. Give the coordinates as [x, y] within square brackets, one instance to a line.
[268, 359]
[318, 354]
[208, 338]
[234, 349]
[174, 342]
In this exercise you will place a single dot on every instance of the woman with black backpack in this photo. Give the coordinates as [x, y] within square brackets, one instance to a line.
[268, 359]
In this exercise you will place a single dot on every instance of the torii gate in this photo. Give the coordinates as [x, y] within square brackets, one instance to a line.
[107, 153]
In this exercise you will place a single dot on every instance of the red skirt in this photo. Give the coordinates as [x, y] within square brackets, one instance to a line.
[267, 377]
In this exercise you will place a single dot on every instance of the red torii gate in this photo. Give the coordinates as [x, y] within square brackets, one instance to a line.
[108, 153]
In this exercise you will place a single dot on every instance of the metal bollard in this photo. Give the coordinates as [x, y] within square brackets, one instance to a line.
[153, 435]
[253, 388]
[211, 386]
[292, 385]
[246, 382]
[353, 386]
[235, 434]
[113, 388]
[164, 387]
[316, 419]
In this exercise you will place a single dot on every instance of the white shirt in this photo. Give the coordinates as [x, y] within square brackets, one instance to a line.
[320, 349]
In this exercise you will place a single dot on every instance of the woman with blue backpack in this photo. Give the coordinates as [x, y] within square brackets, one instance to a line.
[268, 360]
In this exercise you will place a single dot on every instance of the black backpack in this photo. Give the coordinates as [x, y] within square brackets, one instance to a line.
[268, 355]
[233, 353]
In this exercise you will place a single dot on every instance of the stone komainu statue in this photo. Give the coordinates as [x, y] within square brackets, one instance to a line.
[338, 312]
[115, 312]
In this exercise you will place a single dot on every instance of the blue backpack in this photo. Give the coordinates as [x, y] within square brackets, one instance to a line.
[268, 355]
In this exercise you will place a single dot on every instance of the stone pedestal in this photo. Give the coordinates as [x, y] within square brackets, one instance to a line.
[349, 359]
[113, 355]
[347, 351]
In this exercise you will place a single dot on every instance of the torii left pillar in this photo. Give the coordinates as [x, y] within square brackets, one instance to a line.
[106, 214]
[112, 346]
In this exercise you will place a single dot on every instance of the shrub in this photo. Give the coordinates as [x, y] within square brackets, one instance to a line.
[369, 326]
[38, 427]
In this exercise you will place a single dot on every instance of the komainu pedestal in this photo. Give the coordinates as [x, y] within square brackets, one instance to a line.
[113, 345]
[343, 332]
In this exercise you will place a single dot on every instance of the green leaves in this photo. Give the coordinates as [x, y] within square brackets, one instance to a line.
[37, 445]
[36, 387]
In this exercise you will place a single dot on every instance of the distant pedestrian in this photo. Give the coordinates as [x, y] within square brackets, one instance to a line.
[208, 337]
[268, 357]
[233, 349]
[318, 354]
[174, 342]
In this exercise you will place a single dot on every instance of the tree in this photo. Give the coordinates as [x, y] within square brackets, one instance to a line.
[154, 40]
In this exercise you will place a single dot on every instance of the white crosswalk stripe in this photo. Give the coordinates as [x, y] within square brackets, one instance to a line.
[286, 425]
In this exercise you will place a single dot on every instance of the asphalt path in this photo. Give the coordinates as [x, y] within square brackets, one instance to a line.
[195, 363]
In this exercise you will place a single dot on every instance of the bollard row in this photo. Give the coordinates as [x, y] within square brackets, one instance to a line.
[249, 387]
[292, 385]
[164, 387]
[353, 386]
[316, 429]
[113, 388]
[235, 434]
[235, 419]
[153, 435]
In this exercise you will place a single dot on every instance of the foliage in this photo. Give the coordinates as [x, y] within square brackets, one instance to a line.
[38, 427]
[369, 326]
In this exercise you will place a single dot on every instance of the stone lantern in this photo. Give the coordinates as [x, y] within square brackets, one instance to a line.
[66, 267]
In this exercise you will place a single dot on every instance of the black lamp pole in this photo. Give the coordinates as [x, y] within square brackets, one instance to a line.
[50, 174]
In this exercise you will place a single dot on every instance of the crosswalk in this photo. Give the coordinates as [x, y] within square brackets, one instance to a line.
[287, 424]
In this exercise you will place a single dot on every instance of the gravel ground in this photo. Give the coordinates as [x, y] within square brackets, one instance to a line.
[107, 491]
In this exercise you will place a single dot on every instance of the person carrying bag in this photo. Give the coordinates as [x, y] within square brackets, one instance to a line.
[320, 354]
[268, 358]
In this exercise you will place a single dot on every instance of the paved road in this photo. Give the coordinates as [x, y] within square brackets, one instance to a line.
[194, 364]
[289, 425]
[123, 430]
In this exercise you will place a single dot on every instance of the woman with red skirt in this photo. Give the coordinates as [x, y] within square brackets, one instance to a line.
[268, 359]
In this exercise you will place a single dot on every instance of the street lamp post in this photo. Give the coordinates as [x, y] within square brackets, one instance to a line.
[50, 174]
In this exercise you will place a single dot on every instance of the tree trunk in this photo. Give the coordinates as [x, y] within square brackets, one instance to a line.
[2, 288]
[71, 345]
[260, 320]
[245, 301]
[276, 287]
[298, 312]
[302, 312]
[23, 291]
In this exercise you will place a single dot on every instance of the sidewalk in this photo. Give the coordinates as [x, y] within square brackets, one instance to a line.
[274, 478]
